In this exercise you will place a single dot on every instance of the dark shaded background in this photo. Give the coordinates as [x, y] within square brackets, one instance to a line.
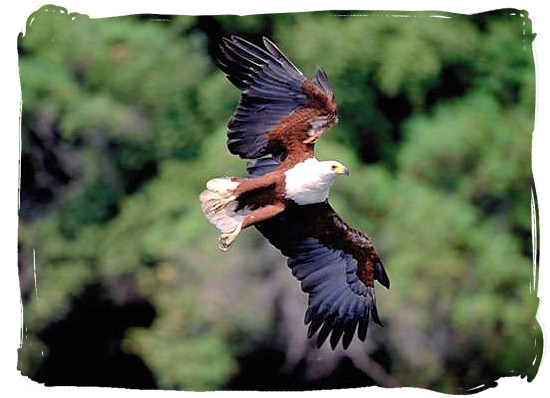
[123, 122]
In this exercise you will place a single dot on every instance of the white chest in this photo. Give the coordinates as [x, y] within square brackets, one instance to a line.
[308, 183]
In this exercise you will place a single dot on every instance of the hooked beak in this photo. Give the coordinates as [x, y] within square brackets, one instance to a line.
[343, 170]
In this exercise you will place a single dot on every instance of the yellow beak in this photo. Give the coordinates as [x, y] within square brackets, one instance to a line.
[341, 170]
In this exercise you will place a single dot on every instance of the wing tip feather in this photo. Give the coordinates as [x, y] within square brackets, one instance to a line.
[380, 274]
[340, 327]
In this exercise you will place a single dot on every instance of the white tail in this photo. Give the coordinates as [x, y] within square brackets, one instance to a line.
[219, 205]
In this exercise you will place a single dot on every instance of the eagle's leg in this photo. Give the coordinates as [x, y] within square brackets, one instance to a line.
[225, 240]
[247, 185]
[257, 216]
[232, 190]
[263, 213]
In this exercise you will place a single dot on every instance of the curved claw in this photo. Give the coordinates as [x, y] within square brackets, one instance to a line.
[225, 240]
[221, 203]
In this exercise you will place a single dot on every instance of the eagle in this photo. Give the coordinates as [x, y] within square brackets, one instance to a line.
[280, 116]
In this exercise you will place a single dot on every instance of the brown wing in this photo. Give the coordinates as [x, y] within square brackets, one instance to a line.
[279, 107]
[337, 266]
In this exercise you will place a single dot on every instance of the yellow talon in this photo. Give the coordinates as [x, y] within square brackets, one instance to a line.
[225, 240]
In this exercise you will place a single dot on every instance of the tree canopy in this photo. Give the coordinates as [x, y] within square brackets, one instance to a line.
[123, 122]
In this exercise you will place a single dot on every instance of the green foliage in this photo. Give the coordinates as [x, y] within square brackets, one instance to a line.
[206, 359]
[123, 123]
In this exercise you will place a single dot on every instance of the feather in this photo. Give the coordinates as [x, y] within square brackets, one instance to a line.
[324, 332]
[380, 274]
[274, 50]
[330, 266]
[363, 327]
[349, 331]
[321, 79]
[314, 327]
[258, 167]
[337, 330]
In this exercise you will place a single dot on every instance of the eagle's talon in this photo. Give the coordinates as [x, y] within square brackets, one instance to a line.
[225, 240]
[222, 245]
[220, 204]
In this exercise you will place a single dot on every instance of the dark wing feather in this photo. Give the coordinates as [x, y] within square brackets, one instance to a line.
[337, 266]
[277, 100]
[259, 167]
[321, 79]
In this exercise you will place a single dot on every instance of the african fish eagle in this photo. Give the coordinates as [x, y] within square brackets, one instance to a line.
[280, 116]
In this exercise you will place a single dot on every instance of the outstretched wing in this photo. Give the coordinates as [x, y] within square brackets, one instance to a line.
[337, 266]
[279, 107]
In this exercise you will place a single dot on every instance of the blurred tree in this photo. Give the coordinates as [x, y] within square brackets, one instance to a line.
[123, 122]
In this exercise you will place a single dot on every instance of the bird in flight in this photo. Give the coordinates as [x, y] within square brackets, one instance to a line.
[280, 116]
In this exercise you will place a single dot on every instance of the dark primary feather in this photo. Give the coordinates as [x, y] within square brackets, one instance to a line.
[339, 302]
[321, 79]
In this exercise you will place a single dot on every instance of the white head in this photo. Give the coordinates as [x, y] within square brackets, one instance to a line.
[332, 168]
[310, 181]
